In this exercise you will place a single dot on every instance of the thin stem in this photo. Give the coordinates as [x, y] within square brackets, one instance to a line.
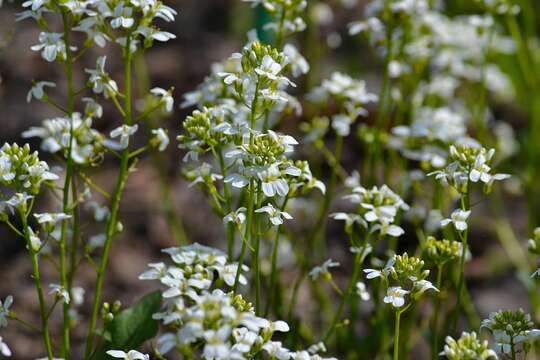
[115, 205]
[396, 335]
[37, 283]
[255, 235]
[275, 251]
[249, 220]
[461, 282]
[66, 208]
[352, 283]
[436, 308]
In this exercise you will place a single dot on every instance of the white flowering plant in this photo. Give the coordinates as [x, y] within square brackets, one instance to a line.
[314, 176]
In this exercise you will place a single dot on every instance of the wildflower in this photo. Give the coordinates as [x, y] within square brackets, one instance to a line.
[165, 96]
[423, 285]
[276, 215]
[350, 220]
[49, 220]
[4, 310]
[458, 218]
[442, 251]
[395, 295]
[323, 270]
[238, 216]
[19, 201]
[59, 292]
[130, 355]
[467, 347]
[37, 91]
[361, 290]
[100, 79]
[124, 132]
[510, 328]
[4, 349]
[51, 46]
[160, 139]
[122, 17]
[35, 241]
[298, 63]
[276, 350]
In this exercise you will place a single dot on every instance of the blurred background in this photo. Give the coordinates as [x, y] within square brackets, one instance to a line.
[208, 31]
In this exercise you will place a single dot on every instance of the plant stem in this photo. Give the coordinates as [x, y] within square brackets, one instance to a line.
[436, 308]
[255, 234]
[273, 272]
[249, 220]
[115, 205]
[461, 282]
[66, 206]
[396, 335]
[352, 283]
[37, 283]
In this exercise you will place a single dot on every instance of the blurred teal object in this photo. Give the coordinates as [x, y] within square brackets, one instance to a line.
[263, 17]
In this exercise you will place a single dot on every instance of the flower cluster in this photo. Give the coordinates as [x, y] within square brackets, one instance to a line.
[469, 165]
[467, 347]
[73, 134]
[378, 209]
[349, 94]
[132, 20]
[199, 315]
[407, 276]
[510, 329]
[22, 169]
[440, 252]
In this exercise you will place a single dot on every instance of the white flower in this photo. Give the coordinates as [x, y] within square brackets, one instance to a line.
[165, 98]
[130, 355]
[161, 138]
[59, 292]
[275, 349]
[78, 295]
[317, 271]
[4, 349]
[156, 272]
[299, 65]
[269, 68]
[51, 45]
[272, 182]
[276, 216]
[37, 90]
[35, 241]
[18, 201]
[4, 310]
[6, 172]
[423, 285]
[122, 17]
[385, 228]
[350, 219]
[395, 295]
[155, 34]
[458, 218]
[124, 132]
[49, 220]
[342, 124]
[361, 290]
[100, 79]
[238, 217]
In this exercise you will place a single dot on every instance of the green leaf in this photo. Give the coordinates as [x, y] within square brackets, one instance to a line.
[132, 326]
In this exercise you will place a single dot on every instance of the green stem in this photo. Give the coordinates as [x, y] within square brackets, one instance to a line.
[66, 207]
[255, 235]
[436, 308]
[464, 245]
[396, 335]
[249, 220]
[350, 288]
[37, 283]
[117, 196]
[273, 272]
